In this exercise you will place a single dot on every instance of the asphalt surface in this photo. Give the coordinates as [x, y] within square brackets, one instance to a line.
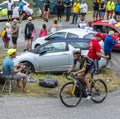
[52, 108]
[13, 107]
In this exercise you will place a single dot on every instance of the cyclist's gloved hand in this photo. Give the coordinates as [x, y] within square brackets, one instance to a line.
[65, 73]
[73, 74]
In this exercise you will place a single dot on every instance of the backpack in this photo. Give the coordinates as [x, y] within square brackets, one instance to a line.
[4, 33]
[48, 82]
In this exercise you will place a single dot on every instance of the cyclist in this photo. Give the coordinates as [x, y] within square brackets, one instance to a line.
[86, 66]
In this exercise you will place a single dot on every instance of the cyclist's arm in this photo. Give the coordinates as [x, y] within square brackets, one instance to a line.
[72, 68]
[81, 70]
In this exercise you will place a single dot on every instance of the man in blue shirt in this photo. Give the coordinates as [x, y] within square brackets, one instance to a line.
[21, 10]
[10, 72]
[108, 44]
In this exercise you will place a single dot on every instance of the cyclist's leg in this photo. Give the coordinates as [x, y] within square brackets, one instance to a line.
[87, 81]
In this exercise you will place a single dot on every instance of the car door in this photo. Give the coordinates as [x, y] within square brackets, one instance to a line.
[56, 58]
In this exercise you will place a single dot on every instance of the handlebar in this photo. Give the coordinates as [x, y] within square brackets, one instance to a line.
[68, 76]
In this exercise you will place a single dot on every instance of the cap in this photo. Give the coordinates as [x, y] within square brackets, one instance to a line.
[111, 33]
[98, 35]
[29, 18]
[11, 51]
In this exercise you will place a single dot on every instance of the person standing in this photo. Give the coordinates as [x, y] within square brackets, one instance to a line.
[102, 9]
[10, 7]
[15, 33]
[29, 29]
[84, 9]
[9, 70]
[110, 7]
[59, 9]
[68, 6]
[95, 10]
[21, 10]
[117, 10]
[43, 31]
[7, 36]
[94, 51]
[108, 44]
[47, 10]
[53, 27]
[76, 8]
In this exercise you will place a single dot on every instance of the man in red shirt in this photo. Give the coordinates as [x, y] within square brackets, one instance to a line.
[94, 52]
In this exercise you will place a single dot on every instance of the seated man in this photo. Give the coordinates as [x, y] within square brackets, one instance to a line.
[86, 66]
[10, 72]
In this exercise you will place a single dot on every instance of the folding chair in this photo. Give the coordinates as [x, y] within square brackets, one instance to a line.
[8, 85]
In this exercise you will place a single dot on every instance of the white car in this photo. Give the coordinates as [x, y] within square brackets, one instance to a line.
[3, 9]
[65, 33]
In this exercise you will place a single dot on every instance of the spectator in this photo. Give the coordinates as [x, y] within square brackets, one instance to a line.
[76, 8]
[47, 9]
[53, 27]
[59, 9]
[29, 29]
[117, 10]
[84, 9]
[21, 10]
[110, 7]
[94, 52]
[15, 33]
[68, 6]
[82, 24]
[10, 7]
[113, 20]
[7, 36]
[95, 10]
[102, 9]
[9, 70]
[89, 27]
[43, 31]
[108, 44]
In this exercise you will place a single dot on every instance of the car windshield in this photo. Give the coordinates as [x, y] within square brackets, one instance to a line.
[90, 35]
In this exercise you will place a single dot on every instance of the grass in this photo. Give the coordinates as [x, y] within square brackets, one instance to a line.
[110, 77]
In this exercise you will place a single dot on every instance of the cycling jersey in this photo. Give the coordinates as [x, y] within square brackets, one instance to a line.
[87, 63]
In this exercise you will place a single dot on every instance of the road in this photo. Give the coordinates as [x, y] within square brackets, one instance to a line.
[52, 108]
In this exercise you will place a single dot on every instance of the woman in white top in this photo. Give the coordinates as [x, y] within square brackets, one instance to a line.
[83, 9]
[7, 37]
[53, 27]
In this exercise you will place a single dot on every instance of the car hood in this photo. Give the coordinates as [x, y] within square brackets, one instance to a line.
[26, 56]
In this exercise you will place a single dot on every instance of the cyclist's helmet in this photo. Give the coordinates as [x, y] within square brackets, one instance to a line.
[77, 51]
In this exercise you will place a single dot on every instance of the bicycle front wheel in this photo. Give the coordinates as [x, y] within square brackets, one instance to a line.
[99, 91]
[71, 94]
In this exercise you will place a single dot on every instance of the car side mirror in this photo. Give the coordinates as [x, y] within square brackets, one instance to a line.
[42, 51]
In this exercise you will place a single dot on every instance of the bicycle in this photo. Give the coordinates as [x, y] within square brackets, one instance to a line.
[72, 92]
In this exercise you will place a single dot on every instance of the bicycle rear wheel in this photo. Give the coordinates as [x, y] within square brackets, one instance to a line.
[99, 91]
[71, 94]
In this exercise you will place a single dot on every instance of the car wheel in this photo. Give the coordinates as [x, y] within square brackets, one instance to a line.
[37, 45]
[29, 68]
